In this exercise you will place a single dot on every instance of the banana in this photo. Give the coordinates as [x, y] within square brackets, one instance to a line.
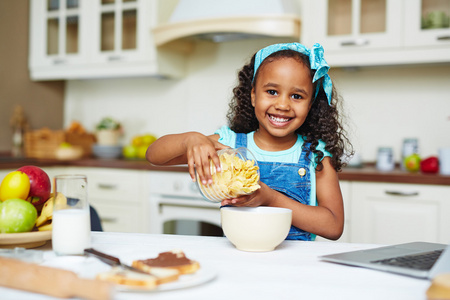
[47, 209]
[46, 227]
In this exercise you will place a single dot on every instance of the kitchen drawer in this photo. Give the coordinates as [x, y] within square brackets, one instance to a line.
[115, 185]
[405, 191]
[120, 218]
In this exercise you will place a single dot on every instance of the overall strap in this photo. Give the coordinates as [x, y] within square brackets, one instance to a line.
[241, 140]
[306, 147]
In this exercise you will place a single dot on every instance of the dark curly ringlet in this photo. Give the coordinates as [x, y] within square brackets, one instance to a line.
[322, 123]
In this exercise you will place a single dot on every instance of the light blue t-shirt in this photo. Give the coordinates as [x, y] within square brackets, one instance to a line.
[291, 155]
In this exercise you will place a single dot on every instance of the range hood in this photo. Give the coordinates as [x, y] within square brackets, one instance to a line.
[225, 20]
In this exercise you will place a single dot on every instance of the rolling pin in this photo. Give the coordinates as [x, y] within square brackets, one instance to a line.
[54, 282]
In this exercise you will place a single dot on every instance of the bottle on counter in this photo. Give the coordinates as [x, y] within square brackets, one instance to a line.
[385, 159]
[19, 125]
[410, 146]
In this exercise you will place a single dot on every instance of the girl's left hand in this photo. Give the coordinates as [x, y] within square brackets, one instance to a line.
[258, 198]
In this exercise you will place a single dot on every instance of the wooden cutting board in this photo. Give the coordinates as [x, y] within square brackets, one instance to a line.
[55, 282]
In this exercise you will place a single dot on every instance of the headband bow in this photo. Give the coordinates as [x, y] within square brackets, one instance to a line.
[316, 61]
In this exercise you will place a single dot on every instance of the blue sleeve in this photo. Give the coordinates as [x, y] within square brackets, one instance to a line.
[227, 136]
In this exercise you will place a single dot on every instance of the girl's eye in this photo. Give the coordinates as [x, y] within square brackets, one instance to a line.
[272, 92]
[297, 96]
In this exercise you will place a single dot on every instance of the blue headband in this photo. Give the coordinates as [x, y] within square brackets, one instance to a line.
[316, 61]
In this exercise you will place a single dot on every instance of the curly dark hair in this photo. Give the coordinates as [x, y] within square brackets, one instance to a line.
[323, 121]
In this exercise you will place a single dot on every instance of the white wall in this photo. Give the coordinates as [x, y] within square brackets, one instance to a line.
[384, 105]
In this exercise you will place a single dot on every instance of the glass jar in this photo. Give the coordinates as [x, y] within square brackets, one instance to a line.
[385, 159]
[409, 147]
[239, 175]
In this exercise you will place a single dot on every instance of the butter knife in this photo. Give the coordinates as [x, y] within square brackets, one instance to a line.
[111, 260]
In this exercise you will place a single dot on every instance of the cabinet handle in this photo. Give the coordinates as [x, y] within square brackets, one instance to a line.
[106, 186]
[400, 193]
[443, 38]
[59, 61]
[108, 220]
[114, 58]
[357, 42]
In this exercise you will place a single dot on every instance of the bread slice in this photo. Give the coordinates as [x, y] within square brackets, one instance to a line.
[121, 276]
[439, 288]
[173, 260]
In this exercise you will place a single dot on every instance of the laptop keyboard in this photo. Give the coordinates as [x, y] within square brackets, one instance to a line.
[423, 261]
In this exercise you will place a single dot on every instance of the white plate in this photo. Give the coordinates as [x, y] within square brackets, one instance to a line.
[202, 276]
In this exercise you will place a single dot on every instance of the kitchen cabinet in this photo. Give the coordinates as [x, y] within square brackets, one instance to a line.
[363, 24]
[375, 32]
[56, 31]
[427, 23]
[119, 196]
[73, 39]
[388, 213]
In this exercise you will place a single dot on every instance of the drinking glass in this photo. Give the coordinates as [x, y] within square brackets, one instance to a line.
[71, 232]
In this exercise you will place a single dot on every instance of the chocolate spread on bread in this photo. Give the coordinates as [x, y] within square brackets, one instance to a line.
[167, 259]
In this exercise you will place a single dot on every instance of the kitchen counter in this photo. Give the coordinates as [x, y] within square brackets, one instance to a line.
[366, 173]
[292, 271]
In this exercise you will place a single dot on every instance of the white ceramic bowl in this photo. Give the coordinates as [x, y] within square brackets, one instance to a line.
[103, 151]
[256, 228]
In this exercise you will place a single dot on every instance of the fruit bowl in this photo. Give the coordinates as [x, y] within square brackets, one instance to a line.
[31, 239]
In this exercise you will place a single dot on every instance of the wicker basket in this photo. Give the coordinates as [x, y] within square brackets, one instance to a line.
[43, 143]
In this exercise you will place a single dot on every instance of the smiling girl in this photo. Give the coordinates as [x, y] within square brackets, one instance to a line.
[285, 110]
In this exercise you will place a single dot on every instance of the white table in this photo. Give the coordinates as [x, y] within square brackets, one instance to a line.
[292, 271]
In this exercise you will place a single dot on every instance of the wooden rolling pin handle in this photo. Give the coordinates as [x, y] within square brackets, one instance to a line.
[55, 282]
[91, 289]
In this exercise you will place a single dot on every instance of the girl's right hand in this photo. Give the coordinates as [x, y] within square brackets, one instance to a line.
[200, 150]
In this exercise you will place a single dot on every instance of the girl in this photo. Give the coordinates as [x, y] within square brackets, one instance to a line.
[284, 110]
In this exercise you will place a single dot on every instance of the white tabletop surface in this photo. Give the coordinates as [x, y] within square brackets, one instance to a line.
[292, 271]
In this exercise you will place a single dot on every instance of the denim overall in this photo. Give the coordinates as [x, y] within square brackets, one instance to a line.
[291, 179]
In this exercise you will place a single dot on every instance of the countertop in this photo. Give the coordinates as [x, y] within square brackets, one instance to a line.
[367, 172]
[292, 271]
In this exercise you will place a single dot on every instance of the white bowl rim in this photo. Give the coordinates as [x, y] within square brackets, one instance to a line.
[258, 209]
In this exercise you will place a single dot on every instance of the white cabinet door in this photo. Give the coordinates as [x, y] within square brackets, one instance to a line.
[346, 25]
[120, 31]
[119, 196]
[58, 38]
[73, 39]
[385, 213]
[119, 218]
[427, 23]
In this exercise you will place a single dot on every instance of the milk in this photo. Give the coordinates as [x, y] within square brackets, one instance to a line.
[71, 232]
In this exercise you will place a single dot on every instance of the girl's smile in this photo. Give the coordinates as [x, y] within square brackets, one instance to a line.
[282, 99]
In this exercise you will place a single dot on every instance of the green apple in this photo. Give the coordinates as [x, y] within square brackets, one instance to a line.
[130, 151]
[17, 215]
[412, 162]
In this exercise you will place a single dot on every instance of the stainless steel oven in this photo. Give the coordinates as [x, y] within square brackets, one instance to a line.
[177, 207]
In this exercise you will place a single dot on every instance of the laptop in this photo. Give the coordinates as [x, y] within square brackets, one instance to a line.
[418, 259]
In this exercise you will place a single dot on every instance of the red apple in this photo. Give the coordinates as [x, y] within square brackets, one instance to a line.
[430, 165]
[40, 185]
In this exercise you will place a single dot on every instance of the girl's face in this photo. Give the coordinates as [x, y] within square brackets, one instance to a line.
[282, 97]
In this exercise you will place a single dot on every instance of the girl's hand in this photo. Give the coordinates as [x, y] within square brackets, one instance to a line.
[200, 150]
[260, 197]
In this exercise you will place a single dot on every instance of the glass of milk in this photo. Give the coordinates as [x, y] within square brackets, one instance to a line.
[71, 232]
